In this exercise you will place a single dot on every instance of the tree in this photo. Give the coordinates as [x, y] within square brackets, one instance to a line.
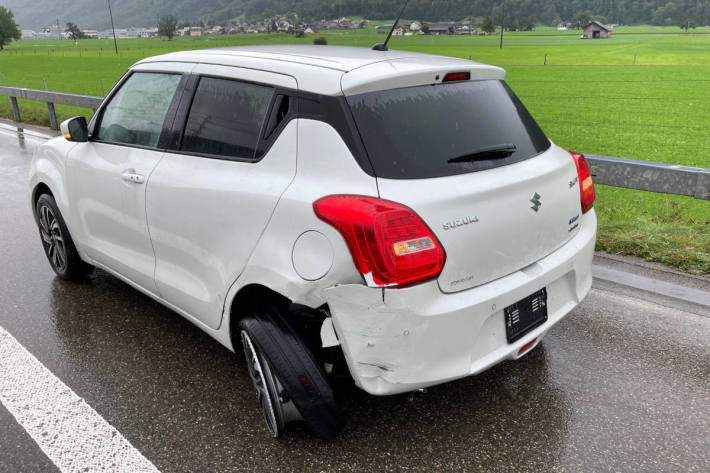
[688, 24]
[672, 13]
[167, 26]
[487, 25]
[582, 19]
[74, 32]
[9, 30]
[511, 23]
[527, 23]
[425, 28]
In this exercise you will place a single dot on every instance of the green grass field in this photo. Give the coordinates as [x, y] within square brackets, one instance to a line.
[643, 94]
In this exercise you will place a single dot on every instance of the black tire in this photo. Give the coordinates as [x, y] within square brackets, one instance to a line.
[295, 368]
[57, 242]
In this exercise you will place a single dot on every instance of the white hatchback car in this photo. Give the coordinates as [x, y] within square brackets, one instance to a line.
[395, 217]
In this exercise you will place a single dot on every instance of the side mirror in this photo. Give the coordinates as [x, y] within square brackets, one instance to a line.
[75, 129]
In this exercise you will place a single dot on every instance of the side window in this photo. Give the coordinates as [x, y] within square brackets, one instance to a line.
[136, 113]
[226, 117]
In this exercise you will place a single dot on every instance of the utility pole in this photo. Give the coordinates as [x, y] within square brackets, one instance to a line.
[115, 43]
[502, 23]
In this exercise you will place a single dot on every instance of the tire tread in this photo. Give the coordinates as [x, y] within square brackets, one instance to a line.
[291, 360]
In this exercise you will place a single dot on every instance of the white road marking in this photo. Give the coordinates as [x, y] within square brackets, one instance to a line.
[636, 281]
[13, 129]
[72, 434]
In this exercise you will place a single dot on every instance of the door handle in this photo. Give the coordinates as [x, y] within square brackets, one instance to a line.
[130, 175]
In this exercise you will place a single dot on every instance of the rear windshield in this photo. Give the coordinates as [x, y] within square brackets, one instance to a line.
[412, 133]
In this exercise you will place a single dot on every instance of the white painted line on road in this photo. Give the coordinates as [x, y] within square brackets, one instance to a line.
[28, 133]
[69, 431]
[635, 281]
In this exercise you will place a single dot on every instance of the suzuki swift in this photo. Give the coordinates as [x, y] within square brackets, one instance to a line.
[392, 217]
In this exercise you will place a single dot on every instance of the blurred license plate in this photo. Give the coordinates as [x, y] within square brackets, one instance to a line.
[525, 315]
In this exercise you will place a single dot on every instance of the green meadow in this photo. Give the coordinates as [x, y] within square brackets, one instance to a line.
[643, 94]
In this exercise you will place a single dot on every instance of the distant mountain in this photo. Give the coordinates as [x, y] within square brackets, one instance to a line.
[93, 14]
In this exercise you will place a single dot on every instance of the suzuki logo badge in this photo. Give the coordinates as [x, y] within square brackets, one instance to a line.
[536, 204]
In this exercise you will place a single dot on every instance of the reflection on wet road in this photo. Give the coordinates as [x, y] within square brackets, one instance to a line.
[620, 385]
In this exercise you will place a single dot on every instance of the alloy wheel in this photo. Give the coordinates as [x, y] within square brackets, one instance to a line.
[52, 239]
[265, 386]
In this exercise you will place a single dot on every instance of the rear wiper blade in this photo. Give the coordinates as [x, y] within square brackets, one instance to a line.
[491, 152]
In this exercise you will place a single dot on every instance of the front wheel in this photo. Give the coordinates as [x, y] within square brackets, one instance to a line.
[289, 383]
[57, 242]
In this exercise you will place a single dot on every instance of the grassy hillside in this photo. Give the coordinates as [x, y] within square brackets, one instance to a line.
[590, 97]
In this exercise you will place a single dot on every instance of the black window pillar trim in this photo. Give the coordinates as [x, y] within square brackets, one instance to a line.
[334, 110]
[182, 111]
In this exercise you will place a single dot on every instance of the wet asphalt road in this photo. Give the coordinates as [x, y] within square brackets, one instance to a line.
[622, 384]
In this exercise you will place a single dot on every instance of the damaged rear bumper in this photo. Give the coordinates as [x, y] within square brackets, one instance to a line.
[399, 340]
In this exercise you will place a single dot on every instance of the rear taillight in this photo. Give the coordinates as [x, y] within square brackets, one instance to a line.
[390, 244]
[584, 176]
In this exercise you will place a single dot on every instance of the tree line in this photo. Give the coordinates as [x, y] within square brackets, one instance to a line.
[549, 12]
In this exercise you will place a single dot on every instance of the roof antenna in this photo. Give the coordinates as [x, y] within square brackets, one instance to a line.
[383, 46]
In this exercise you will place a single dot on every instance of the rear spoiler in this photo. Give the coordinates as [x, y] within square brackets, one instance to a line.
[412, 71]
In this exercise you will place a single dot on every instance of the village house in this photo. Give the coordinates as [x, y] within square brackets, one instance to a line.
[466, 28]
[283, 25]
[215, 30]
[190, 31]
[404, 25]
[596, 30]
[128, 33]
[447, 27]
[51, 32]
[233, 27]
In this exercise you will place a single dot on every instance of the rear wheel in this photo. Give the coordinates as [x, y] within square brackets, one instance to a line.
[289, 383]
[57, 242]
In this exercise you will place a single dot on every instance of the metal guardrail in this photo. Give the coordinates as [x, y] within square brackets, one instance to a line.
[607, 170]
[50, 98]
[650, 176]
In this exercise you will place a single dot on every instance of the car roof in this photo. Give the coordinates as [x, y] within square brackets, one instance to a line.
[334, 70]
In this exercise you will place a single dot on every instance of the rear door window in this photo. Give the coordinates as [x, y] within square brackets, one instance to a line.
[415, 132]
[226, 118]
[136, 113]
